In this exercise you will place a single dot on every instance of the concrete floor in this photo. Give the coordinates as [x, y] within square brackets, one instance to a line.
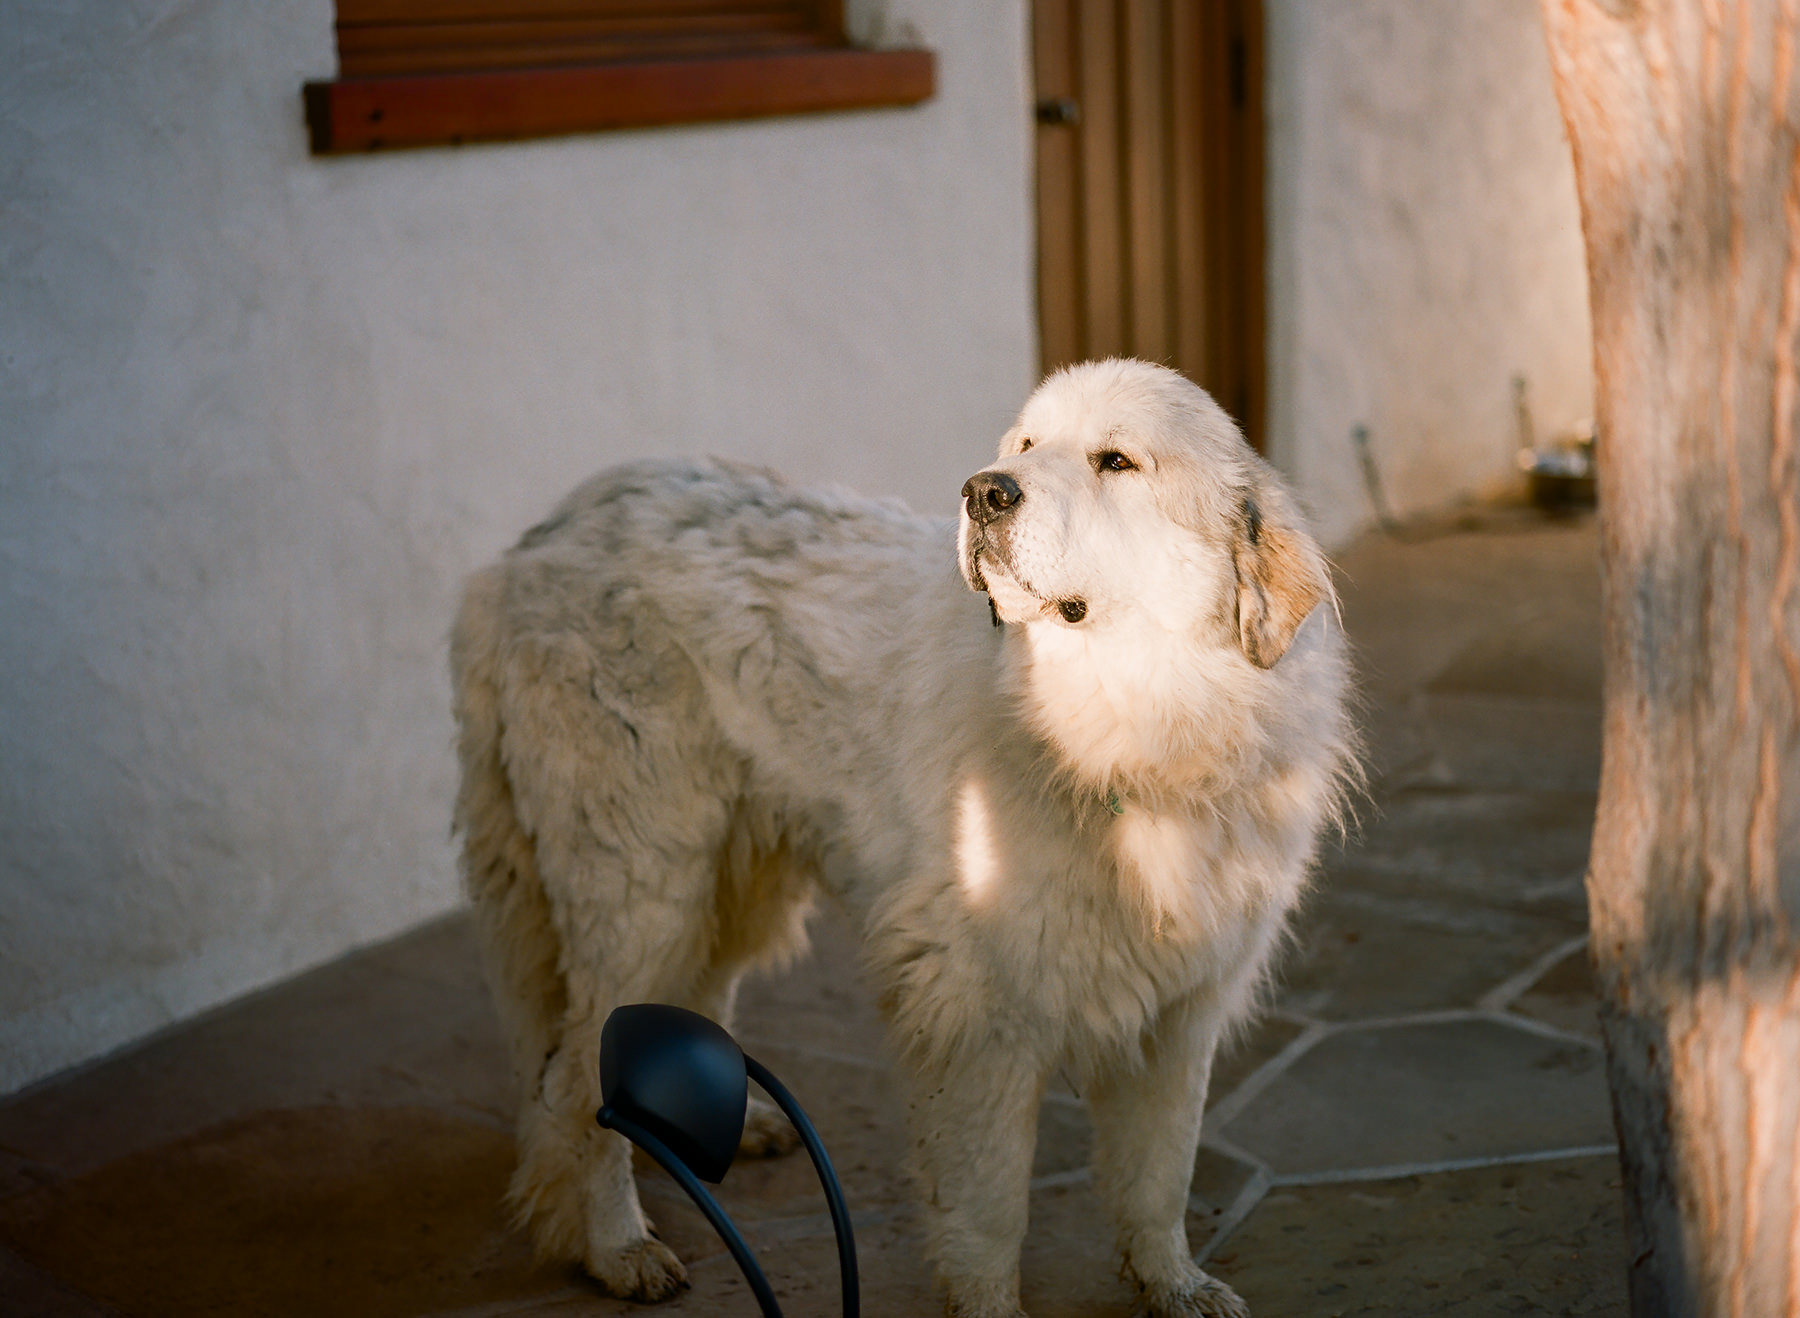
[1420, 1127]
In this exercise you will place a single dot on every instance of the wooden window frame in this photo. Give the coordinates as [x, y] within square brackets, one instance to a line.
[397, 92]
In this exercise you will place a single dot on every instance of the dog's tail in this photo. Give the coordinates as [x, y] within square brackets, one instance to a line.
[512, 914]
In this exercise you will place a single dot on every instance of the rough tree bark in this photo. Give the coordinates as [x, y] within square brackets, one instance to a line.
[1683, 117]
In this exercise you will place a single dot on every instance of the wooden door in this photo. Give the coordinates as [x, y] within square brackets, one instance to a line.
[1150, 189]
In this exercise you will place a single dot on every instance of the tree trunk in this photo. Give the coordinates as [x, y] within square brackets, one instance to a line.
[1683, 117]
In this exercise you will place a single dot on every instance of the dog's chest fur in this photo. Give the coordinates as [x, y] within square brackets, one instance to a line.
[1085, 916]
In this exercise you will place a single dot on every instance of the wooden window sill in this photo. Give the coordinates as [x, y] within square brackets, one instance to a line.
[407, 110]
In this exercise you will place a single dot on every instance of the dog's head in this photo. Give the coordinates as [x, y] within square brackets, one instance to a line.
[1125, 502]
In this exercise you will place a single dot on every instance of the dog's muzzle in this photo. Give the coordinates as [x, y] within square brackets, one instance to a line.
[990, 495]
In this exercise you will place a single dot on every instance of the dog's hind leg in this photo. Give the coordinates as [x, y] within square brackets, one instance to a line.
[519, 945]
[767, 1133]
[627, 824]
[765, 894]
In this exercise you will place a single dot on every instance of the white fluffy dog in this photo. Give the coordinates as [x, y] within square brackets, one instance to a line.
[693, 698]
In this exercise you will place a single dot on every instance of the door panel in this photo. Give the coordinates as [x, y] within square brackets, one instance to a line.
[1060, 295]
[1150, 210]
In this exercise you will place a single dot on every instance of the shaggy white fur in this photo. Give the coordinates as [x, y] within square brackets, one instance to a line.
[693, 698]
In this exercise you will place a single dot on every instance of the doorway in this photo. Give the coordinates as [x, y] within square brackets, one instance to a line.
[1150, 189]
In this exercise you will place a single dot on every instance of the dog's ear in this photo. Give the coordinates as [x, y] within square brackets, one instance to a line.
[1281, 575]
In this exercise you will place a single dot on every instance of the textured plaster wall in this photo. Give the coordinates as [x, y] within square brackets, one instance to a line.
[261, 413]
[1425, 247]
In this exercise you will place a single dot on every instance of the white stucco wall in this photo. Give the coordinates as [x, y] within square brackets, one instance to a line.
[262, 412]
[1424, 247]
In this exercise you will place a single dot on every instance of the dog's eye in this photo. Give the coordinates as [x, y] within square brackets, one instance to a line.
[1113, 460]
[1024, 444]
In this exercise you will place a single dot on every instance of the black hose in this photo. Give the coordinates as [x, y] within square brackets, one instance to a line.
[834, 1195]
[728, 1232]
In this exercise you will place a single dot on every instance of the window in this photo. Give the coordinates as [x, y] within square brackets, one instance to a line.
[435, 72]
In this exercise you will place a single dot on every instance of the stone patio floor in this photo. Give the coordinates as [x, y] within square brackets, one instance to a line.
[1420, 1126]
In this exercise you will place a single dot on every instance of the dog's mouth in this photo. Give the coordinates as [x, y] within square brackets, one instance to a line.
[975, 553]
[972, 573]
[1012, 598]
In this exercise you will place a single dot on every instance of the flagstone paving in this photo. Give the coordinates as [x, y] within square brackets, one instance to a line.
[1419, 1126]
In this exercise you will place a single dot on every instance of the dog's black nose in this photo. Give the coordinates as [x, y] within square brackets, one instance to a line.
[990, 495]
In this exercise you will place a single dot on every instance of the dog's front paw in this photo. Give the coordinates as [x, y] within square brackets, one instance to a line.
[1196, 1296]
[647, 1272]
[767, 1133]
[964, 1309]
[983, 1299]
